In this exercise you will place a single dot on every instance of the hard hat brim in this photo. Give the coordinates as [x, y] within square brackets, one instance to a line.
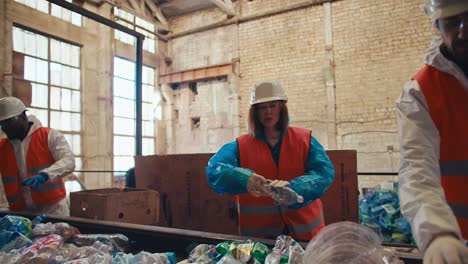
[2, 118]
[269, 99]
[453, 10]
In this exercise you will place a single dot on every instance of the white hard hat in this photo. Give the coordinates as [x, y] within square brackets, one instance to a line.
[267, 91]
[10, 107]
[437, 9]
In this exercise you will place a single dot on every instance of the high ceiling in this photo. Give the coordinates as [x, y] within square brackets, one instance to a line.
[179, 7]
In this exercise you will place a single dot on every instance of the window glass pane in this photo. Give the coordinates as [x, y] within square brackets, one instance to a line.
[40, 95]
[75, 78]
[30, 3]
[123, 163]
[55, 98]
[42, 71]
[124, 145]
[147, 93]
[76, 19]
[56, 11]
[30, 43]
[65, 50]
[42, 46]
[76, 145]
[65, 102]
[40, 114]
[78, 163]
[152, 45]
[55, 50]
[148, 146]
[147, 111]
[66, 121]
[76, 122]
[148, 75]
[69, 139]
[124, 88]
[55, 118]
[124, 69]
[75, 56]
[76, 101]
[18, 39]
[124, 107]
[124, 126]
[66, 14]
[55, 74]
[29, 68]
[148, 128]
[66, 76]
[43, 6]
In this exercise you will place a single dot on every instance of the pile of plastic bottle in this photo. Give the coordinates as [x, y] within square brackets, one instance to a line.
[25, 241]
[286, 251]
[379, 210]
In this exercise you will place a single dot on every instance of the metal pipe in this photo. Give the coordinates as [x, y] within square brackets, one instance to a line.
[138, 98]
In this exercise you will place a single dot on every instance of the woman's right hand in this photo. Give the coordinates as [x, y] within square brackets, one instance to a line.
[257, 185]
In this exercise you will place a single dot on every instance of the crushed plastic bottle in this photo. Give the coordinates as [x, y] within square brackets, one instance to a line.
[284, 195]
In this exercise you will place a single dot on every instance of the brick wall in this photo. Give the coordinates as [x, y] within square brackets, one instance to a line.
[377, 46]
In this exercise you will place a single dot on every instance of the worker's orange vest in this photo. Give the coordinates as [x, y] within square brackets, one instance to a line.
[38, 158]
[448, 107]
[259, 216]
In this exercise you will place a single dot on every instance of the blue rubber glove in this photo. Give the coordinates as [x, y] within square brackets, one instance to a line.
[36, 181]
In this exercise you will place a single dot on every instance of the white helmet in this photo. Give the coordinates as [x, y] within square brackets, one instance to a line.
[267, 91]
[10, 107]
[445, 8]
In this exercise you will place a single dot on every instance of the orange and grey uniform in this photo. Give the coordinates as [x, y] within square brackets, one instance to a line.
[432, 119]
[301, 161]
[43, 150]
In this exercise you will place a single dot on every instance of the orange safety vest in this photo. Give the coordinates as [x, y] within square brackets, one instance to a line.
[448, 106]
[38, 158]
[259, 216]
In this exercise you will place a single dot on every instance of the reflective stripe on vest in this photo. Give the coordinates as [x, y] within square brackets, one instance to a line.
[9, 179]
[262, 209]
[52, 186]
[308, 227]
[447, 102]
[36, 170]
[460, 210]
[14, 198]
[454, 168]
[259, 216]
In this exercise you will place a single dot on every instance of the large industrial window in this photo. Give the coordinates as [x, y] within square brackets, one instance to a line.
[54, 10]
[124, 113]
[53, 68]
[139, 25]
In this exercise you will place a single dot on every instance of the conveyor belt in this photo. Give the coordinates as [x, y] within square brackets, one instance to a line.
[162, 239]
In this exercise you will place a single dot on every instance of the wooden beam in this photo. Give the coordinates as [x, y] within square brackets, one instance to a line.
[156, 12]
[134, 4]
[205, 73]
[226, 6]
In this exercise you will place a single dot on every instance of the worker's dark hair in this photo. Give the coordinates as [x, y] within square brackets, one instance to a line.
[256, 128]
